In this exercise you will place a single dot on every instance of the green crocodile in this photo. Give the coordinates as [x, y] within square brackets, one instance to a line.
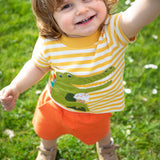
[64, 89]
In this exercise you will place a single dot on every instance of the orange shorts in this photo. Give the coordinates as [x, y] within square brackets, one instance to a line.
[51, 121]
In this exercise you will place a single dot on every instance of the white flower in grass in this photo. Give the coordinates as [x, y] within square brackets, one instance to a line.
[129, 126]
[38, 92]
[131, 118]
[127, 2]
[9, 133]
[124, 83]
[154, 91]
[144, 99]
[128, 131]
[154, 36]
[127, 90]
[130, 59]
[152, 66]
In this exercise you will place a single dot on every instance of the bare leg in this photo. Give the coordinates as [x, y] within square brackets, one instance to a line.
[47, 150]
[106, 148]
[48, 144]
[106, 140]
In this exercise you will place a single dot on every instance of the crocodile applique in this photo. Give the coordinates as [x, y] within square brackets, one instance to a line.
[66, 92]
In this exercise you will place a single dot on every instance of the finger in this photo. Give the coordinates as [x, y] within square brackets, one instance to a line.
[6, 99]
[8, 107]
[1, 94]
[8, 103]
[5, 93]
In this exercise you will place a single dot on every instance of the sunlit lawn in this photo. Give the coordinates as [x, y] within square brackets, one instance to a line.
[136, 129]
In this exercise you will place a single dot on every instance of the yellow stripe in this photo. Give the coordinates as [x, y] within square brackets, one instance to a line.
[50, 42]
[41, 66]
[109, 110]
[119, 26]
[107, 90]
[86, 54]
[111, 94]
[88, 62]
[108, 105]
[100, 92]
[97, 83]
[61, 49]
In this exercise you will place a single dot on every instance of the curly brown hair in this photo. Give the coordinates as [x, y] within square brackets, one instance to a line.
[44, 10]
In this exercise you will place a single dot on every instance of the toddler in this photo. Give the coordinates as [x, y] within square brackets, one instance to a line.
[82, 45]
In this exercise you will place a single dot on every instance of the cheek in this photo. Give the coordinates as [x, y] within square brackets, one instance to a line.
[65, 22]
[102, 9]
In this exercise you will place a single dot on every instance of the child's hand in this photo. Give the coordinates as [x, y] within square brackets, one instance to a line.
[8, 97]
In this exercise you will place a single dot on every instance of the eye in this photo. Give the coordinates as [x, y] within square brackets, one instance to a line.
[67, 6]
[69, 75]
[60, 75]
[87, 0]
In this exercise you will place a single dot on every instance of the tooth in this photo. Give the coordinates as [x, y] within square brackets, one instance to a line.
[85, 20]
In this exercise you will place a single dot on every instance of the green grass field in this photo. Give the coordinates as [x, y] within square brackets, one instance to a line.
[136, 129]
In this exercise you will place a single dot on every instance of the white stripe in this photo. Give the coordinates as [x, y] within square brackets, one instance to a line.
[112, 109]
[39, 64]
[94, 64]
[50, 46]
[57, 53]
[88, 58]
[118, 31]
[109, 95]
[113, 101]
[109, 91]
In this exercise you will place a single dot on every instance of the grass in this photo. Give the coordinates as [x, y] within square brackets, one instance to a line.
[136, 129]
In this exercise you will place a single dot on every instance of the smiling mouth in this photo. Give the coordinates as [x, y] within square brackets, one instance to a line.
[86, 20]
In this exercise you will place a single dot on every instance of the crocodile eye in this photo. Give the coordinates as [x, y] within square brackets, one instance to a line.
[69, 75]
[60, 75]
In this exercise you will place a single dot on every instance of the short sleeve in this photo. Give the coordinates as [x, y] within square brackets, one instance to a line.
[115, 27]
[38, 55]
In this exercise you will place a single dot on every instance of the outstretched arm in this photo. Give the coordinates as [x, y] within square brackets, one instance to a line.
[27, 77]
[141, 13]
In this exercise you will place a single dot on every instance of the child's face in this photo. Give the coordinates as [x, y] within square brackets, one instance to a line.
[80, 17]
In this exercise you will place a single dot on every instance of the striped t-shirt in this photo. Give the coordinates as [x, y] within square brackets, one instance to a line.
[87, 72]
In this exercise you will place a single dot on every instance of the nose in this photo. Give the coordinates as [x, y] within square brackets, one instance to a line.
[81, 9]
